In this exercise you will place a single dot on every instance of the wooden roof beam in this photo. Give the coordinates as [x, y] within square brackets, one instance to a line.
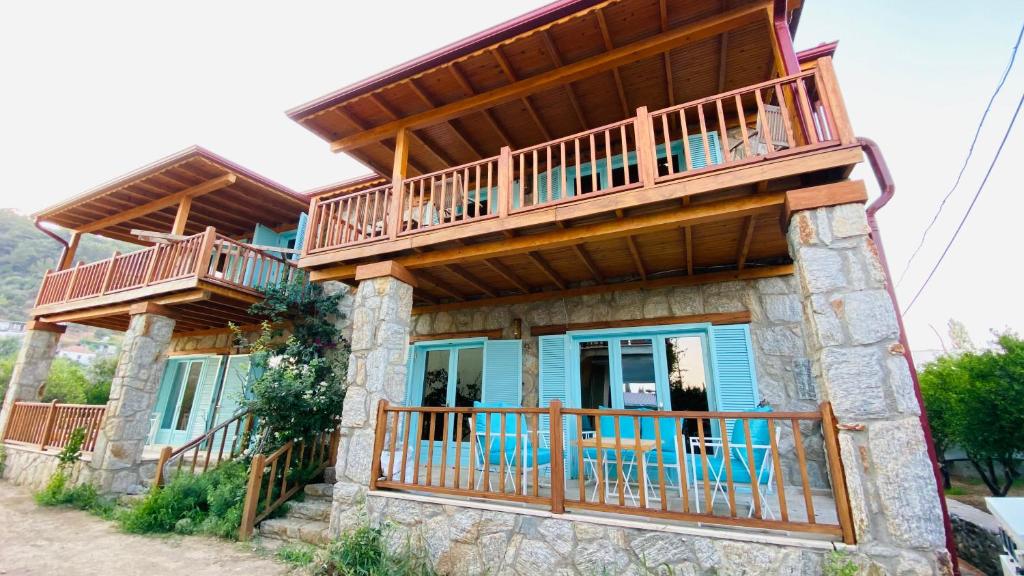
[745, 238]
[667, 56]
[584, 257]
[546, 268]
[506, 273]
[637, 260]
[440, 286]
[488, 117]
[469, 279]
[722, 57]
[556, 59]
[387, 109]
[646, 48]
[390, 148]
[510, 74]
[609, 46]
[162, 203]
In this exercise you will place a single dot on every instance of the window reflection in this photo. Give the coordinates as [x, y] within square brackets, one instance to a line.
[639, 390]
[687, 382]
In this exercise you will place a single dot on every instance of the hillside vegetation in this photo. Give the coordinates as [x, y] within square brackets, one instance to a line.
[26, 254]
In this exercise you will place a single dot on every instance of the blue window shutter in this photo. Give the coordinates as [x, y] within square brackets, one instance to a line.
[300, 234]
[697, 159]
[554, 385]
[411, 386]
[734, 371]
[205, 399]
[503, 372]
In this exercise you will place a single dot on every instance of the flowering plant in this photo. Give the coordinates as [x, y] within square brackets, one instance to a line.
[299, 390]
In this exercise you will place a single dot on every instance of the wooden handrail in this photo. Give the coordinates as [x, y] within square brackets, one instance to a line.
[269, 484]
[625, 462]
[238, 442]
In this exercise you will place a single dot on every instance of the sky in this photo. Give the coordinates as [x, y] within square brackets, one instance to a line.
[92, 90]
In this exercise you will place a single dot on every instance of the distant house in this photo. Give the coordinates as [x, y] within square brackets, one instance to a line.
[79, 354]
[615, 304]
[12, 329]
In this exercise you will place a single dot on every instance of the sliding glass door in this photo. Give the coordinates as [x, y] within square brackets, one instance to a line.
[447, 375]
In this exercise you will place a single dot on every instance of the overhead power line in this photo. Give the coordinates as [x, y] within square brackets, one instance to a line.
[974, 200]
[967, 159]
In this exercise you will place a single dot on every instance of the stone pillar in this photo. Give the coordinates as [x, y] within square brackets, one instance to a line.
[381, 318]
[133, 393]
[28, 380]
[852, 338]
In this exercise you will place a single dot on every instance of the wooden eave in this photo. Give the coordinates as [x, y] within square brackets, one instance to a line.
[223, 194]
[727, 44]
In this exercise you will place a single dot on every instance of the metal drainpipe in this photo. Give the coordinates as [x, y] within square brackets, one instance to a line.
[885, 182]
[52, 234]
[780, 19]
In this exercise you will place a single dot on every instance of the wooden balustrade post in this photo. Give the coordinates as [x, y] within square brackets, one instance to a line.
[646, 153]
[205, 251]
[557, 461]
[42, 287]
[378, 442]
[398, 173]
[151, 266]
[71, 282]
[311, 223]
[247, 432]
[505, 181]
[837, 108]
[830, 431]
[51, 419]
[252, 497]
[109, 274]
[165, 455]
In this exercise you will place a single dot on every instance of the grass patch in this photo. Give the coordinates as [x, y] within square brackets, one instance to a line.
[297, 555]
[208, 503]
[955, 491]
[363, 552]
[83, 497]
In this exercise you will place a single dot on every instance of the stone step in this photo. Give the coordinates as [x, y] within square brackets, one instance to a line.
[319, 490]
[310, 509]
[296, 530]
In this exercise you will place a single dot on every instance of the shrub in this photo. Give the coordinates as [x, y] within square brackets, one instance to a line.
[84, 496]
[208, 503]
[363, 552]
[838, 563]
[296, 554]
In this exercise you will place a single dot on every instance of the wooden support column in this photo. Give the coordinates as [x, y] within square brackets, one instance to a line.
[182, 216]
[505, 181]
[398, 174]
[69, 254]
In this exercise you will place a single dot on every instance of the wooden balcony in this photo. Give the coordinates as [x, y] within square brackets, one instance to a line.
[208, 279]
[595, 207]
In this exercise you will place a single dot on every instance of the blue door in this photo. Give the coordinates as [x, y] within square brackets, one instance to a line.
[182, 380]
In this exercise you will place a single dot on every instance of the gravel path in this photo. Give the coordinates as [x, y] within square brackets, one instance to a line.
[38, 541]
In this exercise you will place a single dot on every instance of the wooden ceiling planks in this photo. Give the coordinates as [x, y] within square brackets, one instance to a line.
[683, 73]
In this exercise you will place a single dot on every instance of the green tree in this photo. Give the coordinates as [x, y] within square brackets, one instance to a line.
[99, 376]
[976, 401]
[66, 383]
[8, 354]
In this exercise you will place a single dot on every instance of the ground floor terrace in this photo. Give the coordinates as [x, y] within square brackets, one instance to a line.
[772, 414]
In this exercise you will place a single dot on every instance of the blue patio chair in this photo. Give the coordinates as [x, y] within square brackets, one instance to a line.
[753, 472]
[491, 450]
[611, 467]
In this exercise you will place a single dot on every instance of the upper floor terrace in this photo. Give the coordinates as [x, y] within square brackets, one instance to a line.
[212, 236]
[587, 146]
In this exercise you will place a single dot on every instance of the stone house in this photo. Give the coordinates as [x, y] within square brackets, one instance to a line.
[615, 304]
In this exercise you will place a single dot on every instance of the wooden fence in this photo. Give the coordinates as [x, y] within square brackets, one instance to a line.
[744, 469]
[49, 425]
[232, 435]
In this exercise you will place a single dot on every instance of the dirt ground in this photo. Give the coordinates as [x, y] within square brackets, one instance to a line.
[43, 541]
[973, 491]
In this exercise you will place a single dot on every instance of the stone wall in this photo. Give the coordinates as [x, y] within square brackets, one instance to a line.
[852, 337]
[783, 366]
[461, 540]
[32, 468]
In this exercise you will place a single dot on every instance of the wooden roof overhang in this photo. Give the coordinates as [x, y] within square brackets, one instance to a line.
[565, 68]
[350, 186]
[222, 194]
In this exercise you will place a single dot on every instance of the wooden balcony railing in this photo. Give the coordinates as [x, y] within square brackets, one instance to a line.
[743, 469]
[49, 425]
[208, 256]
[791, 115]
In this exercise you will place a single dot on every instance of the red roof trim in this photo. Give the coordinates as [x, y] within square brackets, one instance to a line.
[533, 19]
[819, 51]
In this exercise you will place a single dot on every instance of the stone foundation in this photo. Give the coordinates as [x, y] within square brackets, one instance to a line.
[461, 540]
[33, 468]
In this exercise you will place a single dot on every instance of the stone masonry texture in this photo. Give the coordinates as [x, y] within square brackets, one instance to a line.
[379, 323]
[30, 370]
[133, 393]
[851, 334]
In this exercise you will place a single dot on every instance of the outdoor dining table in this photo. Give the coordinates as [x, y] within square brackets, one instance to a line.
[625, 445]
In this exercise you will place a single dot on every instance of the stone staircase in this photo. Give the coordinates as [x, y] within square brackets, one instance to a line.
[305, 521]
